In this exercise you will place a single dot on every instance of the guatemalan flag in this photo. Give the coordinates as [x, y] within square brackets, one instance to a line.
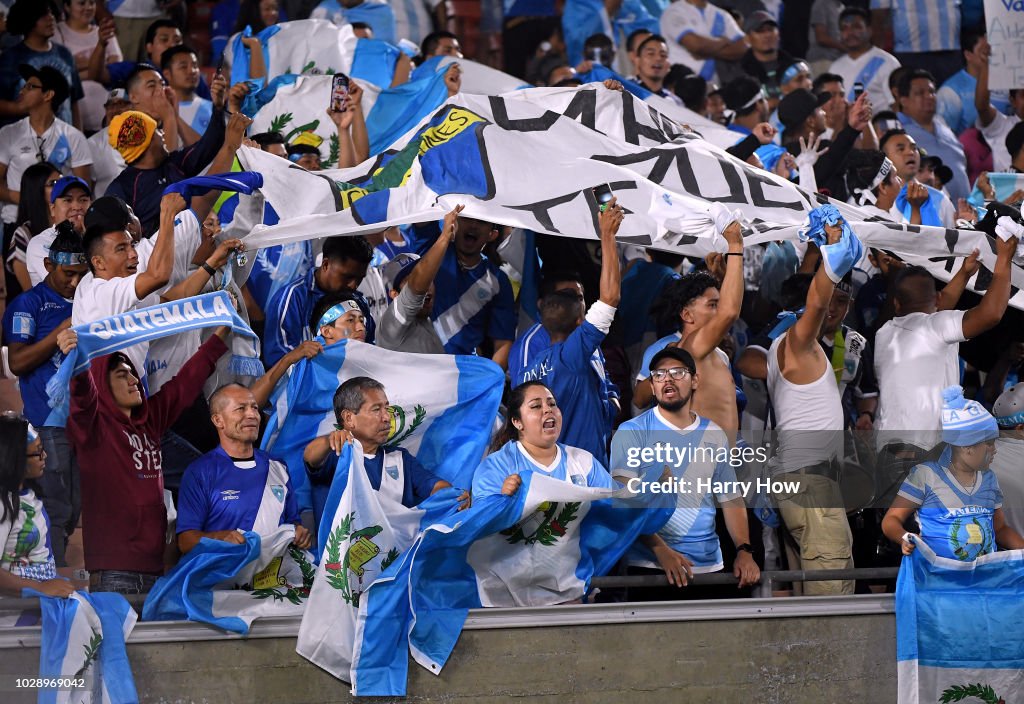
[444, 419]
[958, 627]
[230, 585]
[83, 638]
[395, 580]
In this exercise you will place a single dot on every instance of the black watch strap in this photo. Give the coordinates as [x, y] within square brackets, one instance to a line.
[745, 547]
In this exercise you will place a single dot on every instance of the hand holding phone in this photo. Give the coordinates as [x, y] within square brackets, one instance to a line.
[858, 88]
[339, 93]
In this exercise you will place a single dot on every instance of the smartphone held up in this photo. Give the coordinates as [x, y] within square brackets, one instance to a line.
[339, 92]
[603, 195]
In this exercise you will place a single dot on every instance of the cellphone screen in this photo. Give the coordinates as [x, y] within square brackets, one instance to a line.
[339, 92]
[858, 88]
[603, 194]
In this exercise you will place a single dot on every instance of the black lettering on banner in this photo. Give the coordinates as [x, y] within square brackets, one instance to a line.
[584, 106]
[983, 279]
[631, 127]
[757, 196]
[527, 124]
[339, 202]
[541, 209]
[952, 237]
[947, 262]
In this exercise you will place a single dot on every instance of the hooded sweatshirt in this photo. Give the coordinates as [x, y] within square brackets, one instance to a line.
[124, 521]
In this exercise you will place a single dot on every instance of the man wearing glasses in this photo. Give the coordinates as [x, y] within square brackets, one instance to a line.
[695, 452]
[41, 136]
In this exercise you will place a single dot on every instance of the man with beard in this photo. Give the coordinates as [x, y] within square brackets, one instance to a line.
[701, 472]
[237, 487]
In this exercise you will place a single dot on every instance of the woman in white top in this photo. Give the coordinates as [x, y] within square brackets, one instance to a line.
[26, 560]
[93, 48]
[34, 216]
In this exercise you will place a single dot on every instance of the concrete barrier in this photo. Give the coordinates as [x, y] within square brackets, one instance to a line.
[771, 651]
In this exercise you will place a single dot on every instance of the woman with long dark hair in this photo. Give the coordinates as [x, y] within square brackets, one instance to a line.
[540, 554]
[26, 560]
[33, 217]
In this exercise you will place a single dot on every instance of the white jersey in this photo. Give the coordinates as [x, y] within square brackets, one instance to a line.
[872, 69]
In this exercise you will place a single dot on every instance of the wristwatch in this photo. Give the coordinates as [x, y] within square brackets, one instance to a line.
[745, 547]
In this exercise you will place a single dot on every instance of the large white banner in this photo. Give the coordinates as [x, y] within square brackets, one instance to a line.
[1005, 24]
[531, 158]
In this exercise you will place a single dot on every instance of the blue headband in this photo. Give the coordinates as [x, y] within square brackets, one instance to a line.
[793, 70]
[338, 310]
[66, 258]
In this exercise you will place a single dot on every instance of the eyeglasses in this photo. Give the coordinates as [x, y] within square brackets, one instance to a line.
[33, 455]
[32, 86]
[52, 182]
[676, 373]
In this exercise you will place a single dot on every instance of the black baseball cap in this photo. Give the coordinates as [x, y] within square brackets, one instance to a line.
[758, 19]
[676, 353]
[799, 105]
[50, 78]
[109, 212]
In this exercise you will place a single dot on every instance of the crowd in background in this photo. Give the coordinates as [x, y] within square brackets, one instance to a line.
[883, 105]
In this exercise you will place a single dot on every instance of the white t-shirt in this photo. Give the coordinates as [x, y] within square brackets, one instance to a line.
[38, 249]
[681, 18]
[375, 292]
[107, 162]
[61, 144]
[995, 135]
[96, 299]
[915, 359]
[877, 86]
[82, 44]
[1007, 467]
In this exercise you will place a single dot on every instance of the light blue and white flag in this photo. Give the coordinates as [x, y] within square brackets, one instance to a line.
[118, 332]
[958, 635]
[302, 46]
[444, 419]
[83, 639]
[229, 585]
[395, 580]
[1003, 184]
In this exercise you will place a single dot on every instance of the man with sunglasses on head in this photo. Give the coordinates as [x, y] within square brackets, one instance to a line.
[40, 136]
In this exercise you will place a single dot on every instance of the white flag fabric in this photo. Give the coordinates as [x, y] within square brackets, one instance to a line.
[305, 46]
[531, 158]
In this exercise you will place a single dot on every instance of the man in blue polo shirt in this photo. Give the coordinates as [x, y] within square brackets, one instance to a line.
[473, 300]
[566, 366]
[345, 260]
[236, 487]
[31, 325]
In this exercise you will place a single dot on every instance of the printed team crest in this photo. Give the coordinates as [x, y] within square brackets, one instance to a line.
[970, 541]
[579, 480]
[278, 491]
[392, 472]
[359, 552]
[958, 693]
[399, 431]
[549, 523]
[270, 582]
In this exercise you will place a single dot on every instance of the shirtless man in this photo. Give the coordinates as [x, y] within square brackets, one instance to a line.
[706, 312]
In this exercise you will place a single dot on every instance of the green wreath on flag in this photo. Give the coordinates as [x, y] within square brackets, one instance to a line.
[958, 693]
[360, 551]
[963, 552]
[284, 591]
[92, 651]
[554, 524]
[399, 431]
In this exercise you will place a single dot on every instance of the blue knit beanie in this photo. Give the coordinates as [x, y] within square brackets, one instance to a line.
[965, 423]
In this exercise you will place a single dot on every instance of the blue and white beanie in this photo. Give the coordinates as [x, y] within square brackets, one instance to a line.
[965, 423]
[1009, 407]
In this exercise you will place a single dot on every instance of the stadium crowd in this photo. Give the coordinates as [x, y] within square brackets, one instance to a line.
[893, 398]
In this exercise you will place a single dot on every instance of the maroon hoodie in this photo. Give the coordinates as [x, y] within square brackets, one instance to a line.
[124, 521]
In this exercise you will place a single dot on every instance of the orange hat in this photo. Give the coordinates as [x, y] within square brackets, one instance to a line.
[130, 133]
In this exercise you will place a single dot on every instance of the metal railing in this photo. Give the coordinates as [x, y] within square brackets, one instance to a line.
[769, 580]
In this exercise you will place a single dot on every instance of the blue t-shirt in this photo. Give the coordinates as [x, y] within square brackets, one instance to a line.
[956, 523]
[512, 459]
[565, 367]
[704, 447]
[222, 493]
[641, 287]
[471, 305]
[529, 8]
[29, 318]
[57, 57]
[419, 481]
[288, 313]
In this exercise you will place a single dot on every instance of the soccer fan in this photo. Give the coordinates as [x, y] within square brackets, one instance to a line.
[863, 62]
[701, 34]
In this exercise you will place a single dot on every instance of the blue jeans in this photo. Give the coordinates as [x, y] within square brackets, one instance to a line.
[122, 582]
[62, 497]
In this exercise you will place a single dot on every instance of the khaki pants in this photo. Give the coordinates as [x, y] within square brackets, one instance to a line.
[131, 36]
[816, 518]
